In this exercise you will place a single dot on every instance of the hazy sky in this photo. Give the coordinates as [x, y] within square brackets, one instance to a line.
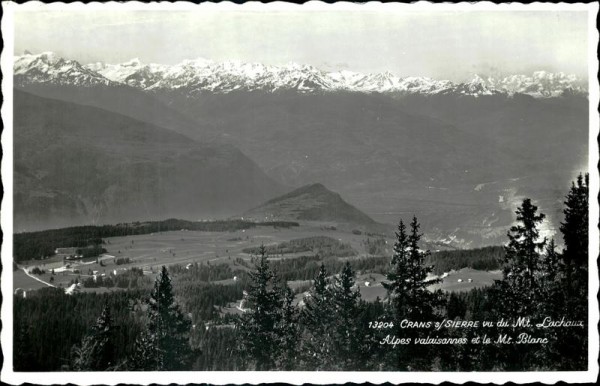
[451, 45]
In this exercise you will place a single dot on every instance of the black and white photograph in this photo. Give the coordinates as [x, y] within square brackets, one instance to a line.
[233, 193]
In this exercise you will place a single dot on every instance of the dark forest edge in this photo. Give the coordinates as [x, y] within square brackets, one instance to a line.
[333, 330]
[42, 244]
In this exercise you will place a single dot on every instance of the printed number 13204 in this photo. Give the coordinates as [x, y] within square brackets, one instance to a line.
[381, 324]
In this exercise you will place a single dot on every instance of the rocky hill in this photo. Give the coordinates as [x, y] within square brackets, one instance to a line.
[312, 203]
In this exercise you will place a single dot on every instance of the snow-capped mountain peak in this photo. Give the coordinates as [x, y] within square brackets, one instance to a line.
[478, 86]
[539, 84]
[48, 67]
[202, 75]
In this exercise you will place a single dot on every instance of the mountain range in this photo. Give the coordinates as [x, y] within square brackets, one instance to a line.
[77, 164]
[459, 156]
[193, 77]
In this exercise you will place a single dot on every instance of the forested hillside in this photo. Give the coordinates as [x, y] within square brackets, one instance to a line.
[181, 324]
[485, 259]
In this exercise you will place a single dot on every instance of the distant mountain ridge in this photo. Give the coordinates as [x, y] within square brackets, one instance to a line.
[312, 202]
[193, 77]
[76, 165]
[48, 67]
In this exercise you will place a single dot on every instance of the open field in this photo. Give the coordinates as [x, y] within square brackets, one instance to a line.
[478, 278]
[151, 251]
[64, 275]
[26, 283]
[182, 247]
[449, 283]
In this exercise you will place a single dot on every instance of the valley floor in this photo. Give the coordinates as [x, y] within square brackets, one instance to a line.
[151, 251]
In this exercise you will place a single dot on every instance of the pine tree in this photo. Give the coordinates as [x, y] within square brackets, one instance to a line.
[318, 318]
[520, 284]
[370, 354]
[397, 280]
[258, 326]
[519, 293]
[424, 302]
[552, 305]
[570, 346]
[164, 346]
[575, 254]
[407, 279]
[347, 334]
[575, 226]
[145, 357]
[288, 331]
[409, 297]
[550, 270]
[456, 307]
[97, 350]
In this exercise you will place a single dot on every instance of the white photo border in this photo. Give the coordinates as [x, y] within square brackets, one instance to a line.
[217, 377]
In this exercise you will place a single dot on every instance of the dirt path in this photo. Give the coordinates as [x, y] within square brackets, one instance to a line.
[37, 278]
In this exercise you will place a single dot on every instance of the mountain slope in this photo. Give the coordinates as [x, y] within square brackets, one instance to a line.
[545, 131]
[461, 164]
[49, 76]
[311, 203]
[350, 140]
[78, 164]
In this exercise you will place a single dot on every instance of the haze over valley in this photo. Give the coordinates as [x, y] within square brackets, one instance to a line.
[459, 155]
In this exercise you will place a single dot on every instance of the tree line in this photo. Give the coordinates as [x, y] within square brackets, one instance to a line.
[323, 246]
[42, 244]
[332, 328]
[484, 259]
